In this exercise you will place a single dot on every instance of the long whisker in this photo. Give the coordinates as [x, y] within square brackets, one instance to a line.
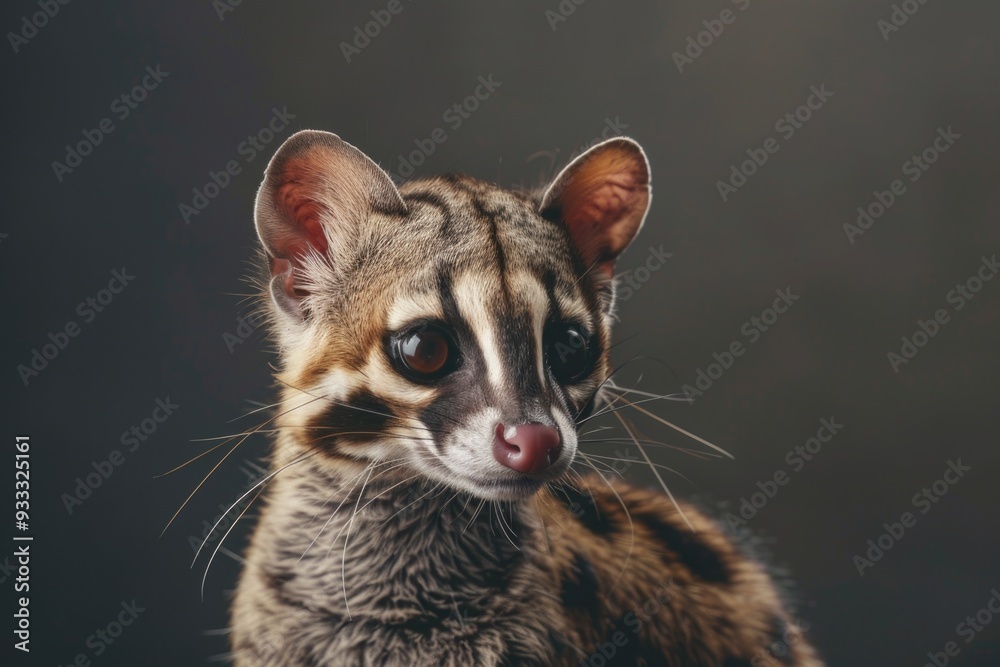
[609, 409]
[631, 526]
[655, 471]
[475, 514]
[678, 428]
[342, 403]
[590, 459]
[681, 398]
[254, 411]
[337, 509]
[433, 489]
[334, 494]
[654, 443]
[404, 481]
[264, 480]
[258, 431]
[347, 539]
[216, 467]
[498, 510]
[658, 465]
[204, 577]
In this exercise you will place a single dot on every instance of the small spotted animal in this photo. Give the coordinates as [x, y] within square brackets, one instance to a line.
[440, 345]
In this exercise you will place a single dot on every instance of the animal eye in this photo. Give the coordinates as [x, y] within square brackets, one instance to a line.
[426, 353]
[569, 353]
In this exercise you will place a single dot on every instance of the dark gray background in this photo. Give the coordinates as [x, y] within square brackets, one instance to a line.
[163, 336]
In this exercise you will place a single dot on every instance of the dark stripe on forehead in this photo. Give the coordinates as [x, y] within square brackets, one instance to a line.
[435, 201]
[517, 347]
[490, 218]
[549, 282]
[449, 305]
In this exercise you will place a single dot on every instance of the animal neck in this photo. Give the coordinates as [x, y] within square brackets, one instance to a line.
[356, 544]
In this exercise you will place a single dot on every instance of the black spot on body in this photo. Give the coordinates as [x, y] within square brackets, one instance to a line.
[701, 560]
[579, 590]
[491, 218]
[584, 508]
[737, 662]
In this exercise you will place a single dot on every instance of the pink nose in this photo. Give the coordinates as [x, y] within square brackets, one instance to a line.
[526, 447]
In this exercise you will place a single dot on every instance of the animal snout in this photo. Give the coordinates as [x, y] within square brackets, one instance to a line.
[526, 448]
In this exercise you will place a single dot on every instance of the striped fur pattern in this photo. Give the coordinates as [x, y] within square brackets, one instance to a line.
[389, 534]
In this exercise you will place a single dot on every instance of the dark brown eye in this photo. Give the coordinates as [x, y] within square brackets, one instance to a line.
[569, 353]
[426, 353]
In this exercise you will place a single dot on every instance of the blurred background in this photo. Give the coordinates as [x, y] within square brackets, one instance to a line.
[96, 183]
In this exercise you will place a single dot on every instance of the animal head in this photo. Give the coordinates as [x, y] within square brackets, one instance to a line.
[452, 327]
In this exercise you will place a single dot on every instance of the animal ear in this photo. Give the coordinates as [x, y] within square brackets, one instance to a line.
[317, 191]
[602, 197]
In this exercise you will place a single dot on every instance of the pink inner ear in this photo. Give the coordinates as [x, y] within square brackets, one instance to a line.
[603, 204]
[304, 234]
[305, 211]
[592, 215]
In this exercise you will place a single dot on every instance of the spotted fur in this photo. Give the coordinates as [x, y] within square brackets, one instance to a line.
[389, 535]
